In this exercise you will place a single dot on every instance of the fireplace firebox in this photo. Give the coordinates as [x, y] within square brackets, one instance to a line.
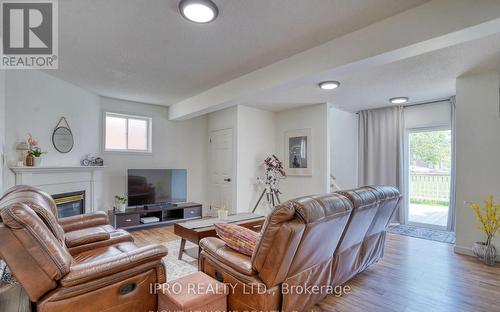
[70, 204]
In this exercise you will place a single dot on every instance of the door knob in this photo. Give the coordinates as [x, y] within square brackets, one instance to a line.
[227, 180]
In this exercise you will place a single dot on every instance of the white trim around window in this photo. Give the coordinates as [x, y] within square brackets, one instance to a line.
[127, 117]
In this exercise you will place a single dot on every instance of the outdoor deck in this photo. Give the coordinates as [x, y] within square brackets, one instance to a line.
[428, 214]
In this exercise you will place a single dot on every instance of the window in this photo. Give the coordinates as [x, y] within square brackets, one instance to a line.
[127, 133]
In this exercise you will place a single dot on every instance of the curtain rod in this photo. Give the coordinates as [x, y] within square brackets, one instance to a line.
[417, 104]
[428, 102]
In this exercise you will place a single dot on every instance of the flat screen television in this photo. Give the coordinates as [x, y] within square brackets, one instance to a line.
[156, 186]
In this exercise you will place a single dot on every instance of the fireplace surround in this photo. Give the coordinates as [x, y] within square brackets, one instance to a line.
[56, 180]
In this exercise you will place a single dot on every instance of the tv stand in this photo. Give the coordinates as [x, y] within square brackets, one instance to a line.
[168, 214]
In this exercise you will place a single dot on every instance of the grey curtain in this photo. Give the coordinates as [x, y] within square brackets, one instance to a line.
[381, 148]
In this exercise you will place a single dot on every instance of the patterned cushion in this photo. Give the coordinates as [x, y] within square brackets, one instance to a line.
[237, 237]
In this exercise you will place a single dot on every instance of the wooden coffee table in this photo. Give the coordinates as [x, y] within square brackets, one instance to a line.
[194, 231]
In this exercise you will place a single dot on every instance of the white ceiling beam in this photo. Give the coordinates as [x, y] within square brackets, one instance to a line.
[431, 26]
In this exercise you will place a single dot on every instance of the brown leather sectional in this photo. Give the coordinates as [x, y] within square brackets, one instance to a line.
[321, 240]
[78, 263]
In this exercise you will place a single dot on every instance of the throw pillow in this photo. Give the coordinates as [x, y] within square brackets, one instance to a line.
[237, 237]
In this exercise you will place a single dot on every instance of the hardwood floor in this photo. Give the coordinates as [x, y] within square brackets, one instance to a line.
[154, 236]
[414, 275]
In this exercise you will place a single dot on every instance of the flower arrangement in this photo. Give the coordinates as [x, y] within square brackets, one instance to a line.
[121, 199]
[34, 152]
[488, 218]
[121, 202]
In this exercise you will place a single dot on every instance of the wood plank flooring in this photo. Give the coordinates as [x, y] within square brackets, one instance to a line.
[414, 275]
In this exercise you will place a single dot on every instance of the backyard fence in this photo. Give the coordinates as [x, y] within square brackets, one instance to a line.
[430, 187]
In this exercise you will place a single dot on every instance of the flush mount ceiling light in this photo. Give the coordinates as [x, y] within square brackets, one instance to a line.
[198, 11]
[329, 85]
[399, 100]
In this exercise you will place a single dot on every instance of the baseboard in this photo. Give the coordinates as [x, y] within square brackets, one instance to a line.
[468, 252]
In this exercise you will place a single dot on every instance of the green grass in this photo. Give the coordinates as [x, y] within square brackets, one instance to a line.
[429, 202]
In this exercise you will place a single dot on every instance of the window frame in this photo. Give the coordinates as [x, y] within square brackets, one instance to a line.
[149, 133]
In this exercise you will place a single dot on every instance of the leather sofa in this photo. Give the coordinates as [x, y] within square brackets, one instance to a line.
[109, 276]
[320, 240]
[81, 232]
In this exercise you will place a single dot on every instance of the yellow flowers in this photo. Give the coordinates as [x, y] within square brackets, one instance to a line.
[488, 217]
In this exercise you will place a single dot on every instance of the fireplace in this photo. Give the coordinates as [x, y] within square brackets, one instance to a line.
[70, 204]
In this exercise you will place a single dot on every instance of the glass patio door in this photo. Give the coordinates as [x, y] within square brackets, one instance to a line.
[428, 177]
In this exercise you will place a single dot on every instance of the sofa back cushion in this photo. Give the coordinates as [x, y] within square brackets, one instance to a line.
[280, 237]
[31, 250]
[325, 218]
[41, 202]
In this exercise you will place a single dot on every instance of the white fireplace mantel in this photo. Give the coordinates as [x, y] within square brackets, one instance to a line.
[63, 179]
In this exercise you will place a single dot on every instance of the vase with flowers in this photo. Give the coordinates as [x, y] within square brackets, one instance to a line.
[488, 218]
[34, 156]
[121, 202]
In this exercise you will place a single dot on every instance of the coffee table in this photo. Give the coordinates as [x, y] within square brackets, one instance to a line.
[194, 231]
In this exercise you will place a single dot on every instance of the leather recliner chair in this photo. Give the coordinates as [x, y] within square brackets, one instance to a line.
[115, 277]
[81, 232]
[321, 240]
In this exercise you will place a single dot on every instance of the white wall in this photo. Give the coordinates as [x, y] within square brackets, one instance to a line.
[315, 117]
[2, 127]
[344, 148]
[477, 150]
[256, 141]
[35, 101]
[176, 144]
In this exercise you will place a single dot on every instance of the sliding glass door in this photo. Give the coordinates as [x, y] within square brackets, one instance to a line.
[428, 176]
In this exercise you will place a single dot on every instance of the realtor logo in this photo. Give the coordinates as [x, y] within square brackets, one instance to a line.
[29, 34]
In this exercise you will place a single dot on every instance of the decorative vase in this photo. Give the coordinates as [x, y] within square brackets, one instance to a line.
[222, 214]
[486, 252]
[30, 160]
[121, 207]
[37, 161]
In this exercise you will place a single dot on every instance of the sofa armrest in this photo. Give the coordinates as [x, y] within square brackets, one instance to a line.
[83, 221]
[85, 236]
[100, 268]
[217, 249]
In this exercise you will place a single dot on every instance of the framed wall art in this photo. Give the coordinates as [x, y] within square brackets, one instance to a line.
[298, 160]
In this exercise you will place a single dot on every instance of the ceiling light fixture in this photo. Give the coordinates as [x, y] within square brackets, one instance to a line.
[329, 85]
[399, 100]
[198, 11]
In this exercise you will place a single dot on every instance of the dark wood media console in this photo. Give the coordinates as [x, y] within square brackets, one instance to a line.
[130, 219]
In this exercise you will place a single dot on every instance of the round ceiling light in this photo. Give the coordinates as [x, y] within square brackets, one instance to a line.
[198, 11]
[329, 85]
[399, 100]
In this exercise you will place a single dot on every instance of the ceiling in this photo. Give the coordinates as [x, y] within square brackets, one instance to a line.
[422, 78]
[145, 51]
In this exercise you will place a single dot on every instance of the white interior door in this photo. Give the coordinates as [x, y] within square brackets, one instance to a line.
[221, 170]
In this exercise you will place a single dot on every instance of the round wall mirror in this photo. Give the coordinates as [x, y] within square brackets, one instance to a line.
[62, 139]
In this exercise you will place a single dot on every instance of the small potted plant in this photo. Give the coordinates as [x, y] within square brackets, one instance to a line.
[34, 157]
[222, 213]
[121, 202]
[489, 223]
[36, 153]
